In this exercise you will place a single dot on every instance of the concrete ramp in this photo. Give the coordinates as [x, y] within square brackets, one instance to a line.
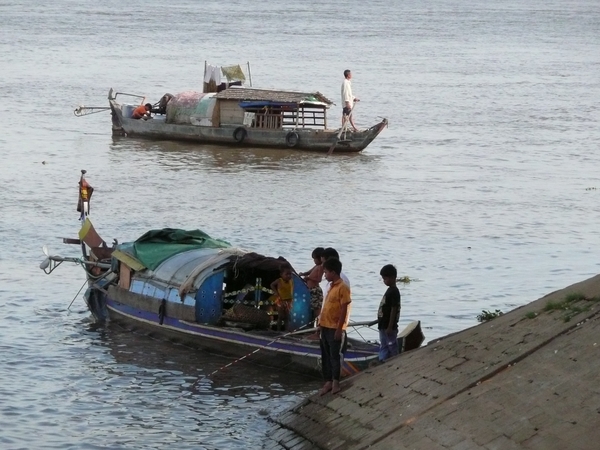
[529, 379]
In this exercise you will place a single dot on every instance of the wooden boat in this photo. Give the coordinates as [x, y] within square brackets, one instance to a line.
[235, 115]
[192, 288]
[244, 117]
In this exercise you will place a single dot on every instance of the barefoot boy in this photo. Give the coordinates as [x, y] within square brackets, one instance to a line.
[332, 323]
[388, 314]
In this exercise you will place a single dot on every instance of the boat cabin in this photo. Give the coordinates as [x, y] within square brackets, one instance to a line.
[214, 286]
[263, 109]
[272, 109]
[240, 105]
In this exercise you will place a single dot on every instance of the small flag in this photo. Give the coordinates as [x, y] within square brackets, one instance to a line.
[89, 235]
[85, 195]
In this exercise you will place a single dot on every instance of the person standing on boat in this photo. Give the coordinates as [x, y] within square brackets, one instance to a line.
[142, 111]
[332, 324]
[388, 314]
[348, 99]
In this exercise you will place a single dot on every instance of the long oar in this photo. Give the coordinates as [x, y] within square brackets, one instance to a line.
[342, 130]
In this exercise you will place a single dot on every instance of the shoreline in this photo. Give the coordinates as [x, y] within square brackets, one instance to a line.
[526, 379]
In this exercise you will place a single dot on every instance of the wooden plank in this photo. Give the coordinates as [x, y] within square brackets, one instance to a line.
[231, 113]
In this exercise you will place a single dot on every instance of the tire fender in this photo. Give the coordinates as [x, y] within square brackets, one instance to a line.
[292, 139]
[239, 134]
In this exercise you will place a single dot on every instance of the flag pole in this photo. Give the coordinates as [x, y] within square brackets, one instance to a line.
[83, 206]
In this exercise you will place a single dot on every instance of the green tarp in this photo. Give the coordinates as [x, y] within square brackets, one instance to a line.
[155, 246]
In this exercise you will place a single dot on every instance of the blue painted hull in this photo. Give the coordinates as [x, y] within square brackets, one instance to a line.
[279, 350]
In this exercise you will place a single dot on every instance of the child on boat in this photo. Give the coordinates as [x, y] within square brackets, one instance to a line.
[313, 280]
[388, 314]
[283, 287]
[142, 112]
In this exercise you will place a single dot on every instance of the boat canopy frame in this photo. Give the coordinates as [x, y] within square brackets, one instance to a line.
[277, 109]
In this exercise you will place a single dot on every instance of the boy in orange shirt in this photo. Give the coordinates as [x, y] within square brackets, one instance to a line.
[142, 111]
[332, 323]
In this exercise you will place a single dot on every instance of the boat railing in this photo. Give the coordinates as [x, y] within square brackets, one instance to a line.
[289, 119]
[305, 118]
[53, 261]
[113, 95]
[266, 120]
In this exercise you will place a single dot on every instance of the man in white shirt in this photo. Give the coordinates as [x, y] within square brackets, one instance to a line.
[348, 99]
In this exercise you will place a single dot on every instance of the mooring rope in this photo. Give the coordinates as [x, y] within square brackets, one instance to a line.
[257, 350]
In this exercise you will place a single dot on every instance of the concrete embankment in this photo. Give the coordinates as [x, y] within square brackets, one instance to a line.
[529, 379]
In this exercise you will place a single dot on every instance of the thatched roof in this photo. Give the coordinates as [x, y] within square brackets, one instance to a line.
[250, 94]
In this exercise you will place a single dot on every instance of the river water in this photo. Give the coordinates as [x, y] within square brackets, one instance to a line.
[484, 189]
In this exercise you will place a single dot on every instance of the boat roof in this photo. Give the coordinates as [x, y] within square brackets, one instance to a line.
[193, 266]
[155, 246]
[273, 95]
[187, 271]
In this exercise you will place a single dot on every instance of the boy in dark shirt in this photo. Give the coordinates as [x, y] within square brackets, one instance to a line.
[388, 314]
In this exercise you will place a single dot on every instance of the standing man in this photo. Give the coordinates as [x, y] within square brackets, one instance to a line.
[348, 99]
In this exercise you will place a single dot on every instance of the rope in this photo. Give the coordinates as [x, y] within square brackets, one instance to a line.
[82, 286]
[361, 336]
[93, 277]
[256, 350]
[272, 342]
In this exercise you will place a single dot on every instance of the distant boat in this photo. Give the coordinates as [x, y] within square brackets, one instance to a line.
[232, 114]
[190, 287]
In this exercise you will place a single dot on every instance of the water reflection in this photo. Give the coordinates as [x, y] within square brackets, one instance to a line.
[203, 372]
[152, 389]
[215, 158]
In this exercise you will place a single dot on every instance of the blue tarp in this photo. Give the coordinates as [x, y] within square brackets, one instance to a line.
[260, 104]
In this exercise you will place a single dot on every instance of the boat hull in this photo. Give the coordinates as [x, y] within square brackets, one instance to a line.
[269, 348]
[307, 139]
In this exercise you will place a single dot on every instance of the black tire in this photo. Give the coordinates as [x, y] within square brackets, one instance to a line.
[239, 134]
[292, 139]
